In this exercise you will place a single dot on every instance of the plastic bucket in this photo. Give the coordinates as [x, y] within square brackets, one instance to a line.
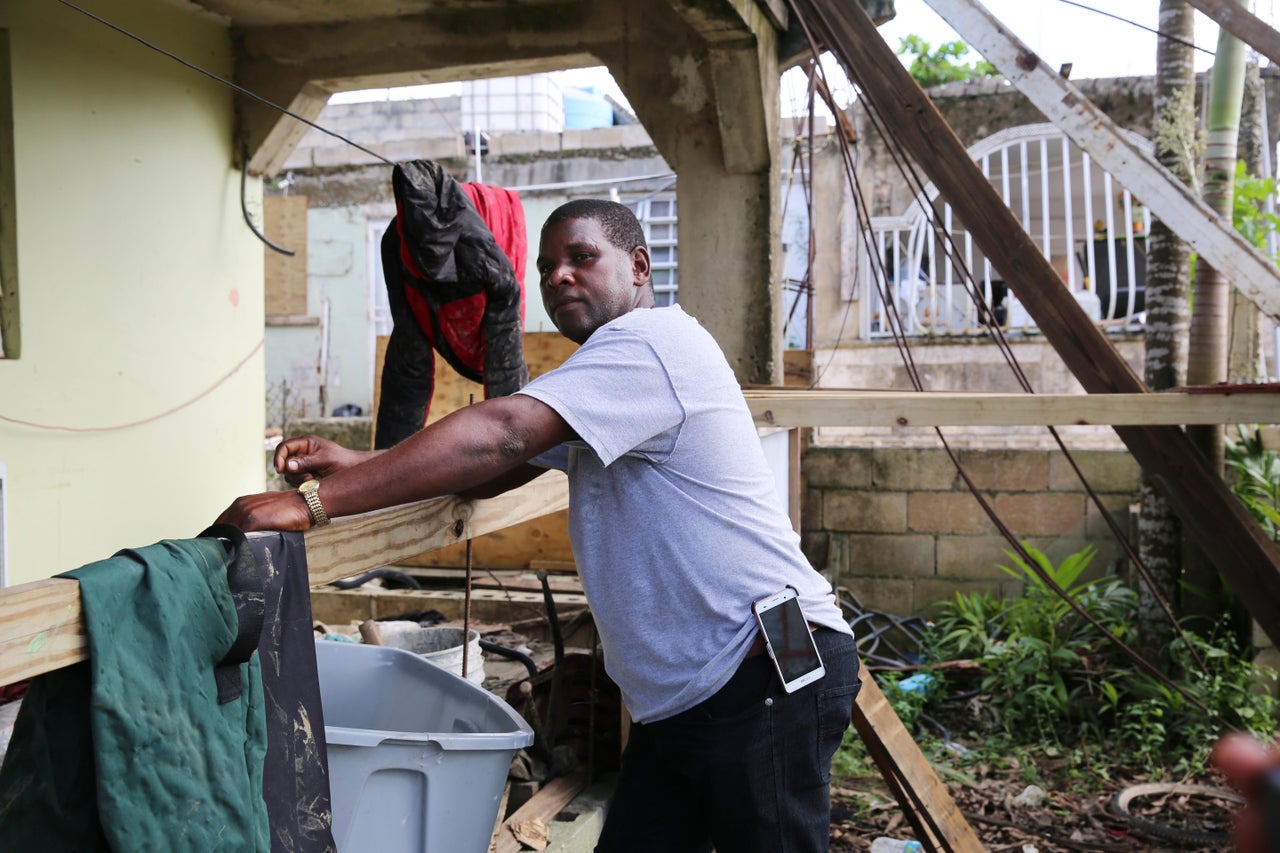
[418, 757]
[440, 646]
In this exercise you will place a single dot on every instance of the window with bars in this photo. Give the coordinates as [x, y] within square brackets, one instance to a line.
[657, 215]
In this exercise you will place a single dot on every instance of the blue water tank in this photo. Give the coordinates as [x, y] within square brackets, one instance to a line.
[585, 109]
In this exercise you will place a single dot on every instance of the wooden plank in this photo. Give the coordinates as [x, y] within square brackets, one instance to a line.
[539, 540]
[544, 805]
[285, 277]
[1209, 511]
[802, 408]
[924, 799]
[40, 628]
[1177, 205]
[40, 623]
[335, 606]
[1242, 24]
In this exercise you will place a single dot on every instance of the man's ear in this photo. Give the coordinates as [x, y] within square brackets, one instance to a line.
[640, 270]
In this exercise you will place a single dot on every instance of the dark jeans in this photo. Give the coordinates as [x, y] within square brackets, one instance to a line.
[747, 770]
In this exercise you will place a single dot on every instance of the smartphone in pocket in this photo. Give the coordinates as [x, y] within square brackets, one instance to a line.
[787, 639]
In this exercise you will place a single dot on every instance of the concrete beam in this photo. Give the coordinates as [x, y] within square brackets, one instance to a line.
[728, 187]
[295, 66]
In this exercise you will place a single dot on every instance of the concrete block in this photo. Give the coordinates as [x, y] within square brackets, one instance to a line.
[1007, 470]
[911, 469]
[1106, 471]
[838, 468]
[1095, 525]
[948, 513]
[887, 595]
[931, 593]
[892, 555]
[865, 512]
[816, 546]
[1042, 513]
[971, 557]
[811, 509]
[539, 142]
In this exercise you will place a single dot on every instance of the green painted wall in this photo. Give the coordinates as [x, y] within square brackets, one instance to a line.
[141, 288]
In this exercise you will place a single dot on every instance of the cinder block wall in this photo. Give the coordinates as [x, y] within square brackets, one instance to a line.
[899, 527]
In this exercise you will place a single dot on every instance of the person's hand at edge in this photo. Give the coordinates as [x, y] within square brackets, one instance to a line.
[1245, 762]
[308, 457]
[268, 511]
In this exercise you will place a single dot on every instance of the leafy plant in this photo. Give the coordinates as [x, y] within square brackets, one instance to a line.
[1256, 478]
[932, 67]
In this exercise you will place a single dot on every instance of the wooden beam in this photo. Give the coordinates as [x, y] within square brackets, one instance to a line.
[41, 628]
[1209, 511]
[1177, 205]
[797, 408]
[925, 801]
[1242, 24]
[544, 805]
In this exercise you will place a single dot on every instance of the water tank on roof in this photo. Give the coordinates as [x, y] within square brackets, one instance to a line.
[585, 109]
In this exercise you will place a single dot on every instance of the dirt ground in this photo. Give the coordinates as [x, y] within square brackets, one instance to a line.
[1062, 822]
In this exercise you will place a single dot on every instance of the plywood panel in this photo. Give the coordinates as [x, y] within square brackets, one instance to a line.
[545, 538]
[285, 224]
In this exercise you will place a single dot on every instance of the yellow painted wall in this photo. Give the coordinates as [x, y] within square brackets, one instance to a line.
[141, 288]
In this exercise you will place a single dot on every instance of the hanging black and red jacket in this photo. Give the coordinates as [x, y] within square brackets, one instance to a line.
[453, 259]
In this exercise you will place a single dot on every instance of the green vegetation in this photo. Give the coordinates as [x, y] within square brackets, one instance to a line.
[1046, 683]
[932, 67]
[1255, 478]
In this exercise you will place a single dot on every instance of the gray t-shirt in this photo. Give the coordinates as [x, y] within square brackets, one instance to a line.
[672, 513]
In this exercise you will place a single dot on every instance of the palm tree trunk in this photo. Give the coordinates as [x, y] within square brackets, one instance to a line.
[1165, 341]
[1208, 344]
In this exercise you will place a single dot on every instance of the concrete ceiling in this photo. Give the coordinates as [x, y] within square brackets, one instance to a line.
[265, 13]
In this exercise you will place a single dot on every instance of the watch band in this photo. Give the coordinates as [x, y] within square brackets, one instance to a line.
[310, 491]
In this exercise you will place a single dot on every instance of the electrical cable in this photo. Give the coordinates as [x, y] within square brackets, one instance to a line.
[242, 90]
[898, 153]
[241, 363]
[244, 205]
[1132, 22]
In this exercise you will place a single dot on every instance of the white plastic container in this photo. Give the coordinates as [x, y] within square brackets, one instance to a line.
[440, 645]
[418, 757]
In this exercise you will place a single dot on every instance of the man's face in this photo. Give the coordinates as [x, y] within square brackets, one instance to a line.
[587, 281]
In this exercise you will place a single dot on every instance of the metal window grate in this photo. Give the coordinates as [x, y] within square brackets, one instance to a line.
[658, 217]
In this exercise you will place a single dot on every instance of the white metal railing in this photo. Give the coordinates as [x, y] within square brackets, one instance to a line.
[1088, 226]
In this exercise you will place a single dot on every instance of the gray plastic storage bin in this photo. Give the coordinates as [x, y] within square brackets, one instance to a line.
[418, 756]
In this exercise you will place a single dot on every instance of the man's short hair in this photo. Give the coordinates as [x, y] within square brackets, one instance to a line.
[617, 221]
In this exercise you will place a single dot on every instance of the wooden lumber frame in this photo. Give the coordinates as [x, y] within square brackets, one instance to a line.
[1062, 102]
[805, 408]
[1242, 24]
[1209, 511]
[41, 627]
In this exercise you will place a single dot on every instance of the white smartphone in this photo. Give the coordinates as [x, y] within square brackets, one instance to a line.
[788, 640]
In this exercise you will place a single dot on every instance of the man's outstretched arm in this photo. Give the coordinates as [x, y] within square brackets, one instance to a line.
[470, 449]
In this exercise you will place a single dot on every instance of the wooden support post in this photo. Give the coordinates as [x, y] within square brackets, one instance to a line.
[928, 806]
[1177, 205]
[1209, 511]
[1242, 24]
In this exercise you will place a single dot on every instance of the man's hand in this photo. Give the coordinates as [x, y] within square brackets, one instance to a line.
[308, 457]
[268, 511]
[1247, 764]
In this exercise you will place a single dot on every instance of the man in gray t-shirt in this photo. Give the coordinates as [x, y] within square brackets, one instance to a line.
[676, 533]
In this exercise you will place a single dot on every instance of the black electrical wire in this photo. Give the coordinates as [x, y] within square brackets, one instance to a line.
[242, 90]
[244, 206]
[1134, 23]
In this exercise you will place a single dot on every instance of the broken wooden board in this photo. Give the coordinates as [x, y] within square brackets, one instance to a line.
[925, 801]
[544, 805]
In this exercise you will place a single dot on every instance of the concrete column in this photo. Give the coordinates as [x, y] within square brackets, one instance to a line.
[710, 102]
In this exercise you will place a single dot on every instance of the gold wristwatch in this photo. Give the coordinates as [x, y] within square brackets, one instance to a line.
[311, 494]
